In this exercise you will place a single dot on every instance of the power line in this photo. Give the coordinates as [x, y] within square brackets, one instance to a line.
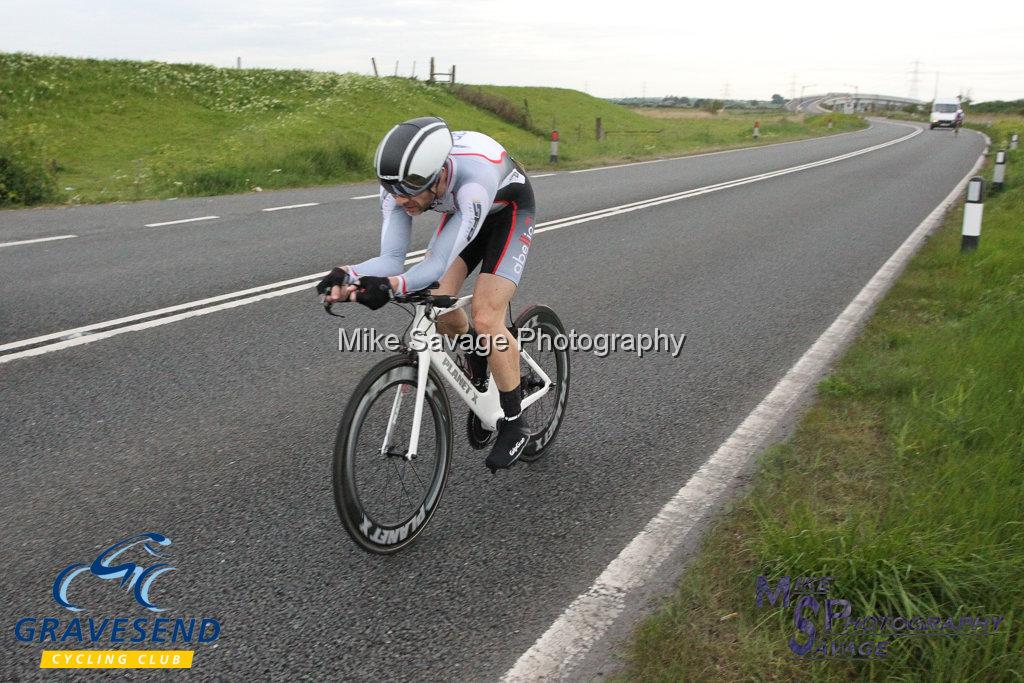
[915, 79]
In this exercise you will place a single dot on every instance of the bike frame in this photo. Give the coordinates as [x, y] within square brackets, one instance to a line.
[422, 338]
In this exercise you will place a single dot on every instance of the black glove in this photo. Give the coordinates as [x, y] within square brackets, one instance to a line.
[373, 292]
[336, 277]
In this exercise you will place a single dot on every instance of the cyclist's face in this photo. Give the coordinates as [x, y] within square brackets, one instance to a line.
[415, 204]
[419, 203]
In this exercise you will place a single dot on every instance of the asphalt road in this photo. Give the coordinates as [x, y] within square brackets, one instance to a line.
[217, 430]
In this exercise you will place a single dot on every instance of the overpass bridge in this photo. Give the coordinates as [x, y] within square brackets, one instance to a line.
[849, 103]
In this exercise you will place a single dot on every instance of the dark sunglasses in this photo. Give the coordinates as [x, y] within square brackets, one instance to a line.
[410, 186]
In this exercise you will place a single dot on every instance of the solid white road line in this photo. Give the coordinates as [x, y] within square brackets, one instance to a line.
[367, 196]
[412, 257]
[35, 241]
[542, 175]
[290, 206]
[676, 196]
[563, 646]
[76, 331]
[183, 220]
[725, 151]
[88, 339]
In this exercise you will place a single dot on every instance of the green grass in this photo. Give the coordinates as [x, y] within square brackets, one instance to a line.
[904, 482]
[999, 127]
[633, 136]
[122, 130]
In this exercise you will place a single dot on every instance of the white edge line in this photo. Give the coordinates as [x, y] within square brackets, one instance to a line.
[183, 220]
[562, 647]
[542, 175]
[367, 196]
[290, 206]
[412, 257]
[40, 239]
[726, 151]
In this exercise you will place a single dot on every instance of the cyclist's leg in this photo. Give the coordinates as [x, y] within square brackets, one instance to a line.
[503, 264]
[456, 322]
[502, 268]
[491, 297]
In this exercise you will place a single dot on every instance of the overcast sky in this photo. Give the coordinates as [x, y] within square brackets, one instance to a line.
[703, 49]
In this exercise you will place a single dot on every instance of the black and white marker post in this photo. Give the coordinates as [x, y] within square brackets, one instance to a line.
[973, 209]
[554, 146]
[999, 172]
[1013, 141]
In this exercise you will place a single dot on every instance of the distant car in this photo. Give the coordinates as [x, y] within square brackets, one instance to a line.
[946, 113]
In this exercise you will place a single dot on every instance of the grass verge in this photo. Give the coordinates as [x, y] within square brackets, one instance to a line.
[903, 482]
[121, 130]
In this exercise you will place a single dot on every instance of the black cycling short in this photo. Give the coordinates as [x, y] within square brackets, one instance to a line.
[504, 240]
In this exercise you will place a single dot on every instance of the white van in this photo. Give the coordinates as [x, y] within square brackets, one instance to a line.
[945, 112]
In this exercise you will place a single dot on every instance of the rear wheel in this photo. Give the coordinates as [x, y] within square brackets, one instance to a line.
[545, 415]
[384, 497]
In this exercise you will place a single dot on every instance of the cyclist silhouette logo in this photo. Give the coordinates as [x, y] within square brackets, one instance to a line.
[132, 576]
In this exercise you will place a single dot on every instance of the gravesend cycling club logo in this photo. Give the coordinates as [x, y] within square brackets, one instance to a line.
[133, 577]
[133, 566]
[827, 629]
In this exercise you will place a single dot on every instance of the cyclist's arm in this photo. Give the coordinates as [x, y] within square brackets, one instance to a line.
[474, 201]
[395, 237]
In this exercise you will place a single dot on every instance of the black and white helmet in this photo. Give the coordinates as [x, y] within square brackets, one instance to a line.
[412, 154]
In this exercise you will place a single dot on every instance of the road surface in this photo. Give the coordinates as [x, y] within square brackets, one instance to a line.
[214, 425]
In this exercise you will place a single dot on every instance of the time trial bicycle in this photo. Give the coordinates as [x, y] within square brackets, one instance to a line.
[395, 441]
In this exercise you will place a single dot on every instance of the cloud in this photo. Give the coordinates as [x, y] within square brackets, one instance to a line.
[672, 47]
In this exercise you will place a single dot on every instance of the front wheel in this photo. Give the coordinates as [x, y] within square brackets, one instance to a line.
[550, 352]
[384, 497]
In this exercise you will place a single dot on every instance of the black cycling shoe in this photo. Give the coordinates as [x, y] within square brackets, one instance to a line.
[513, 438]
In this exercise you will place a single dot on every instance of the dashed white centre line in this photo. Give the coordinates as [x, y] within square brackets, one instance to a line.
[40, 239]
[290, 206]
[183, 220]
[367, 196]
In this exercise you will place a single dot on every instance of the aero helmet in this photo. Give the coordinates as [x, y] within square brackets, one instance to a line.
[412, 154]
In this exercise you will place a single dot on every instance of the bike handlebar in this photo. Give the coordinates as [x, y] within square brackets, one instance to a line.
[421, 296]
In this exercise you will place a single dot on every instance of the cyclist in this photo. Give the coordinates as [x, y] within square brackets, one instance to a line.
[487, 218]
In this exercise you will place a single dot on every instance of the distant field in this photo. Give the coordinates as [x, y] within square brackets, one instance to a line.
[633, 134]
[85, 130]
[692, 113]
